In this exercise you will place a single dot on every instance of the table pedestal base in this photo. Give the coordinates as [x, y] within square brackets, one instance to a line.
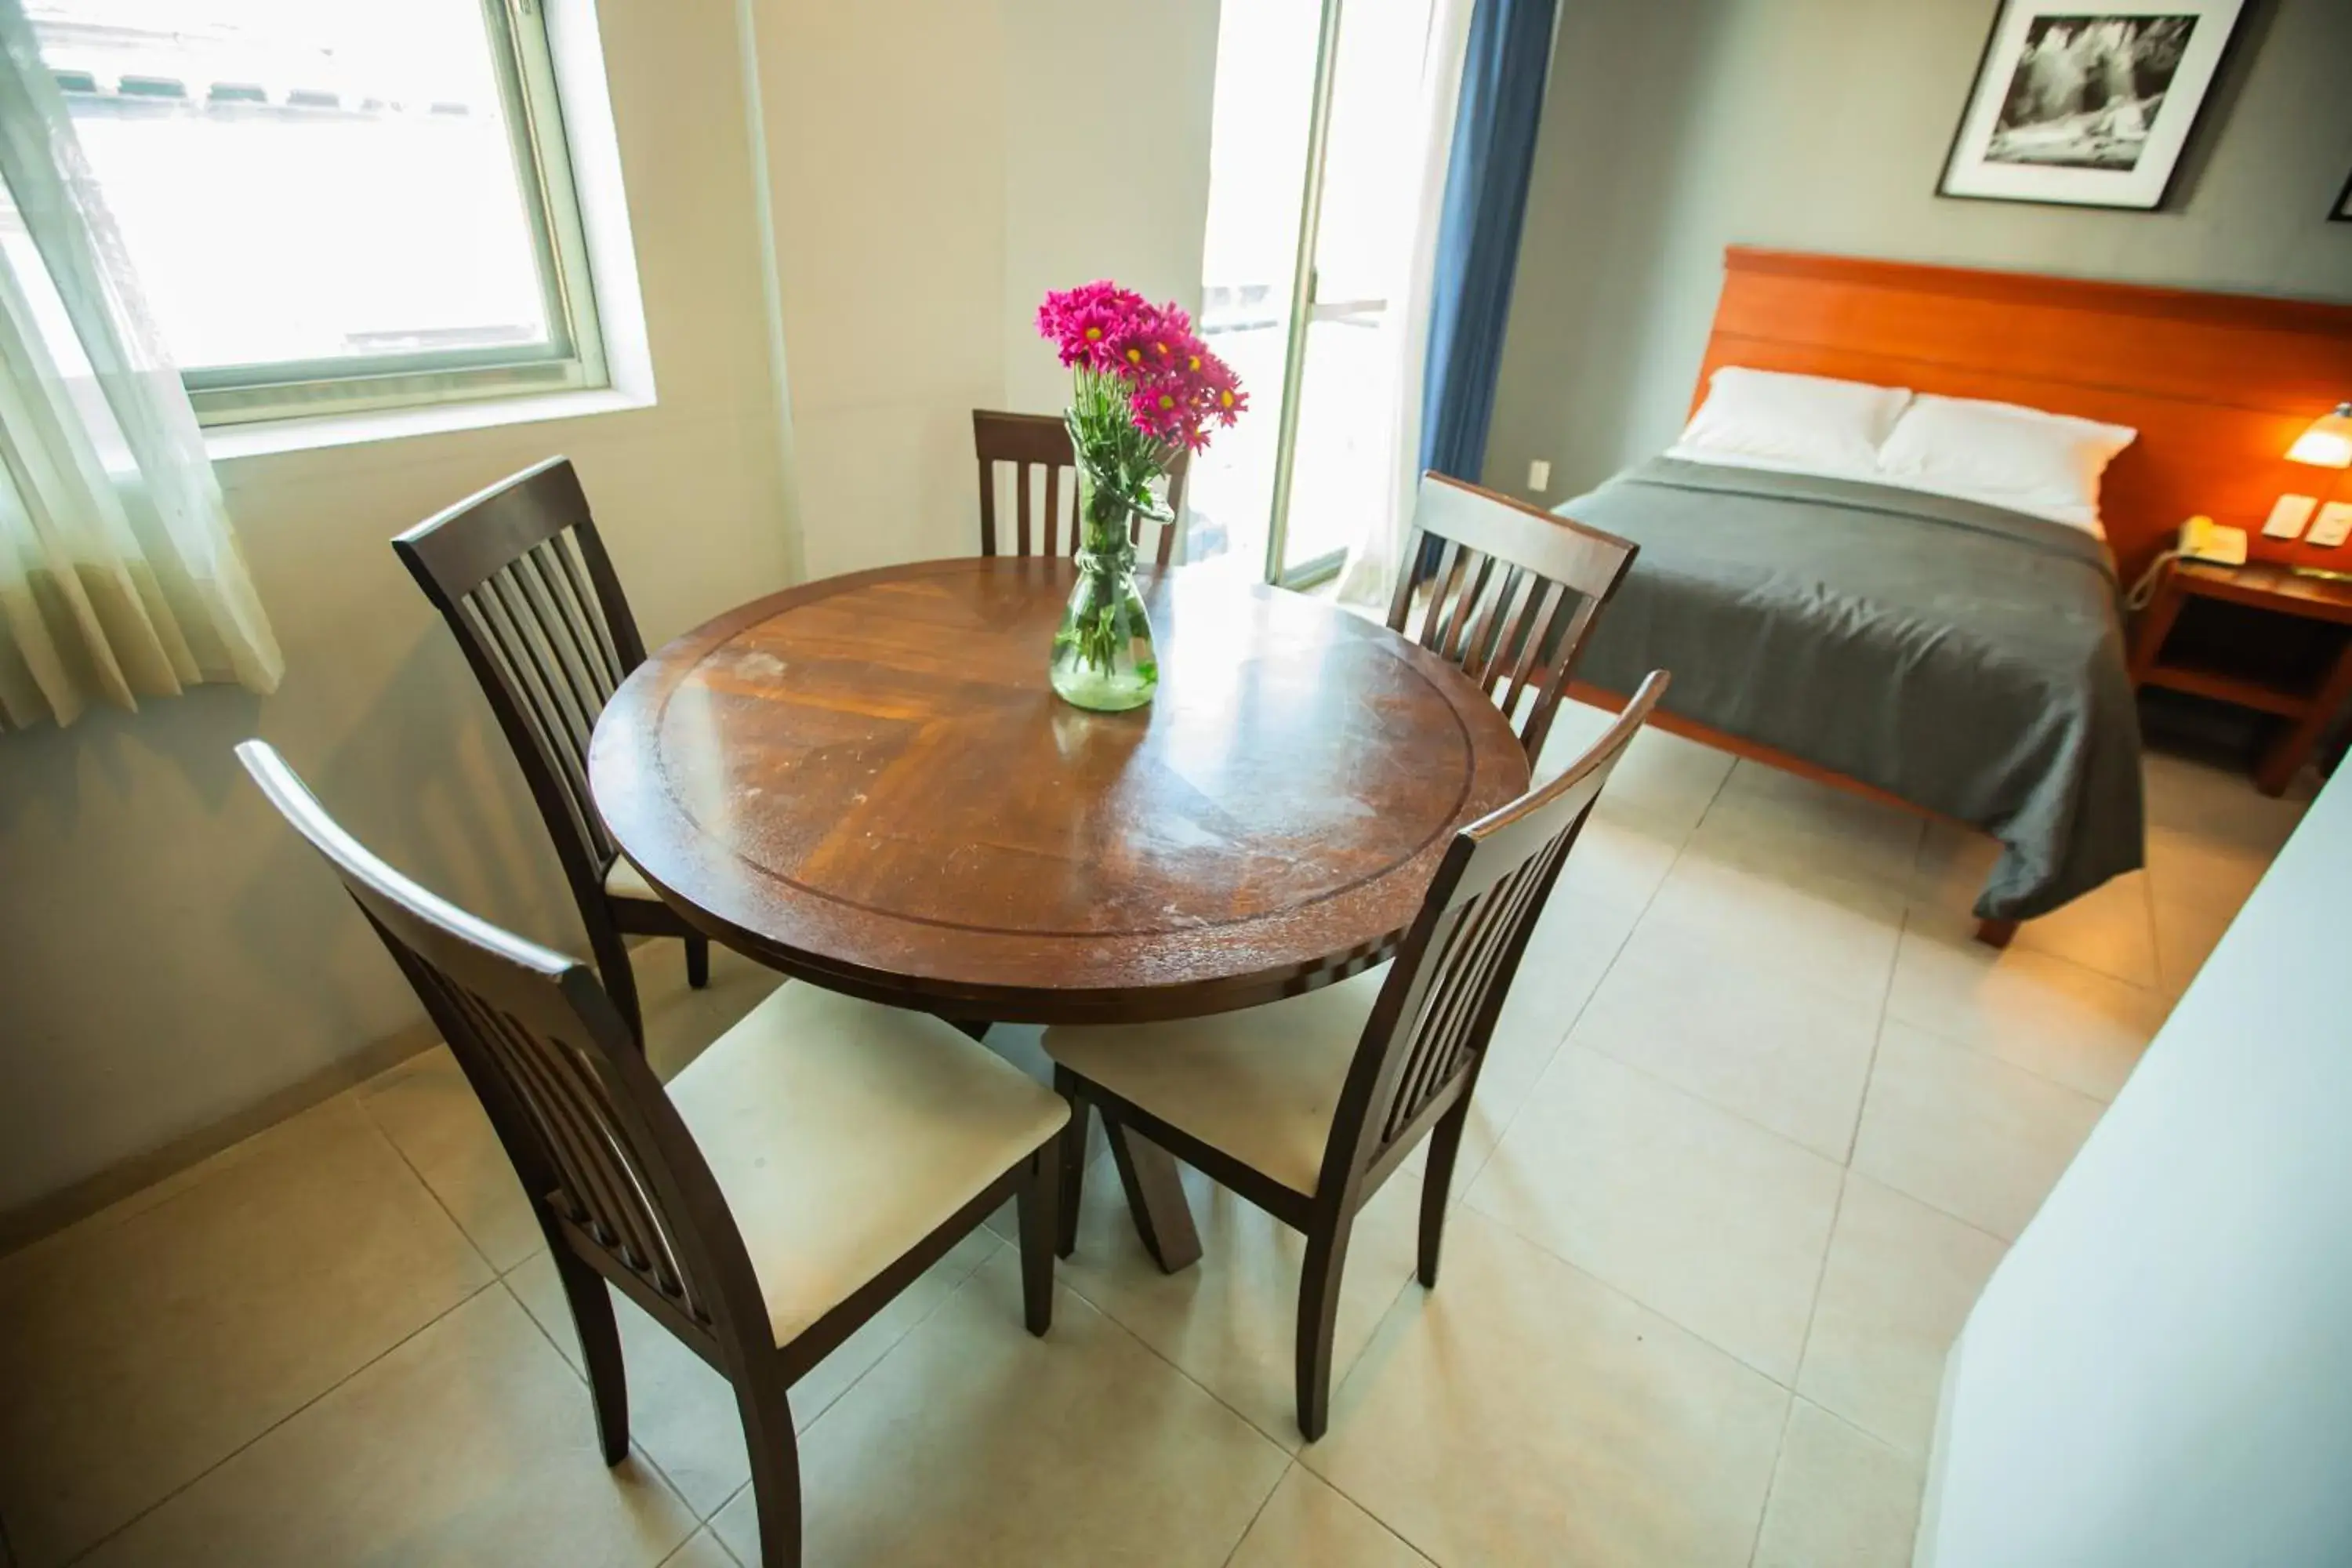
[1155, 1196]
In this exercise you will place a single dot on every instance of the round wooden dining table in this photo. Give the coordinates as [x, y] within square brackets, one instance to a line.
[866, 784]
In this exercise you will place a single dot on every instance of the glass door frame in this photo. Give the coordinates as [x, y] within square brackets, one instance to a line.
[1303, 308]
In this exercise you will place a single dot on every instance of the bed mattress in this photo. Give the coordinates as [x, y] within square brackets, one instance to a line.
[1965, 658]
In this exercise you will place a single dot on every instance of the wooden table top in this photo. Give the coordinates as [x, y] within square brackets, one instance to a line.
[866, 782]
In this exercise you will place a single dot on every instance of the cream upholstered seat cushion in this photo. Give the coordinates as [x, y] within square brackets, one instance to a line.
[1260, 1084]
[842, 1132]
[624, 881]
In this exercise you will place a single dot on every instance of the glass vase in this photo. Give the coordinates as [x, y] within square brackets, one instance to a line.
[1103, 655]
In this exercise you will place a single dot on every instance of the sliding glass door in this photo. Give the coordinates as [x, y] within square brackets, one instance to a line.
[1306, 233]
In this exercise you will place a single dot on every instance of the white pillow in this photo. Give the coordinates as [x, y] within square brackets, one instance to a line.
[2026, 459]
[1809, 424]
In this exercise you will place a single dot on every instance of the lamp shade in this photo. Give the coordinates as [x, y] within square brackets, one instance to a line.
[2328, 443]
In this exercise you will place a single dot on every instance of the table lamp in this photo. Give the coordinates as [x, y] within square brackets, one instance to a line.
[2326, 444]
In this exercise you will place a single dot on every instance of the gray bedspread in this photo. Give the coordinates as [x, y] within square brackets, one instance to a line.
[1966, 658]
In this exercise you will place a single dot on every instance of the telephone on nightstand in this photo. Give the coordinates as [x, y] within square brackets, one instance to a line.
[2201, 539]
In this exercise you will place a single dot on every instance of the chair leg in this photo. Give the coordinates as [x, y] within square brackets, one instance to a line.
[1318, 1317]
[600, 1349]
[1436, 1181]
[775, 1470]
[1034, 1206]
[612, 953]
[698, 961]
[1071, 1177]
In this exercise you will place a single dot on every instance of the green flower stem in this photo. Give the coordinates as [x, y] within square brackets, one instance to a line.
[1118, 464]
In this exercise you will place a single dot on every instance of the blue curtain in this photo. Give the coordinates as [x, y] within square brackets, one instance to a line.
[1503, 71]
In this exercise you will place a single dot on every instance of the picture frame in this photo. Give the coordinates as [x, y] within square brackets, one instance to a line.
[2342, 211]
[2088, 103]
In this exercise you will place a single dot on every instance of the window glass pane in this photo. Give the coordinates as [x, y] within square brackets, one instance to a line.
[307, 180]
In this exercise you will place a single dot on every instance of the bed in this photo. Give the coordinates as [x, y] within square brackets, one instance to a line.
[1959, 659]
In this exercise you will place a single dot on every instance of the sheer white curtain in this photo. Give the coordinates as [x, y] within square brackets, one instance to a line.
[1375, 553]
[118, 574]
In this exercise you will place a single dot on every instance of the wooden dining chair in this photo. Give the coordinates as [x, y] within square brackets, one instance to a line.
[521, 576]
[1042, 441]
[1511, 596]
[1306, 1106]
[796, 1176]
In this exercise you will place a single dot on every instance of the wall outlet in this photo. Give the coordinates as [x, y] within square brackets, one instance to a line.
[2288, 514]
[2334, 524]
[1539, 476]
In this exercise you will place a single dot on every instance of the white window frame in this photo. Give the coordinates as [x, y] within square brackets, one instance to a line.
[574, 359]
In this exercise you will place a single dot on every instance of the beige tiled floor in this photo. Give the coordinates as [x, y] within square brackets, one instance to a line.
[1759, 1123]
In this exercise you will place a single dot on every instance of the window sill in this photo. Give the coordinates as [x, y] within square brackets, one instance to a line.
[227, 443]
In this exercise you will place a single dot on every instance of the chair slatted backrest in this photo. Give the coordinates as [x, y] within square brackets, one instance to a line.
[521, 576]
[1447, 986]
[1042, 441]
[1513, 595]
[589, 1129]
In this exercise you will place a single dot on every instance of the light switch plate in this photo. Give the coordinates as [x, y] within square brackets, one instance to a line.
[1539, 476]
[2288, 515]
[2334, 524]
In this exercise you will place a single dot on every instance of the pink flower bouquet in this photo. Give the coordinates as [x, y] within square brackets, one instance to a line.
[1147, 389]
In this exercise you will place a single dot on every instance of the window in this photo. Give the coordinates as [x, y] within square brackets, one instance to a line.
[336, 204]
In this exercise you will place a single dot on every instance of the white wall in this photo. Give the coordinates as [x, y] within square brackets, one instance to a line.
[1673, 127]
[1106, 171]
[168, 958]
[170, 962]
[2158, 1372]
[935, 167]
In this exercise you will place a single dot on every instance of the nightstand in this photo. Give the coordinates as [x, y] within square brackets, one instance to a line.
[2301, 674]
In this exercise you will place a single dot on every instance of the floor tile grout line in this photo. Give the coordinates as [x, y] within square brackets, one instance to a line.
[1877, 1038]
[635, 1447]
[1367, 1509]
[1772, 1482]
[1153, 1350]
[710, 1523]
[468, 1299]
[1878, 1032]
[359, 1103]
[1465, 1180]
[1786, 1386]
[1230, 1408]
[890, 1350]
[111, 1217]
[1813, 1303]
[1949, 1042]
[706, 1521]
[1370, 1510]
[1639, 1070]
[1259, 1512]
[2007, 1242]
[1108, 1312]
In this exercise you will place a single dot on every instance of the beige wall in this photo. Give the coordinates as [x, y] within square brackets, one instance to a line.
[1674, 127]
[169, 960]
[935, 165]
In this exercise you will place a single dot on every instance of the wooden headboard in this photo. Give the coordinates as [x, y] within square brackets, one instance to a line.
[2216, 384]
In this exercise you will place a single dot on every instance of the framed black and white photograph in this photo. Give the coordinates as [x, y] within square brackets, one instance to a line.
[2086, 104]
